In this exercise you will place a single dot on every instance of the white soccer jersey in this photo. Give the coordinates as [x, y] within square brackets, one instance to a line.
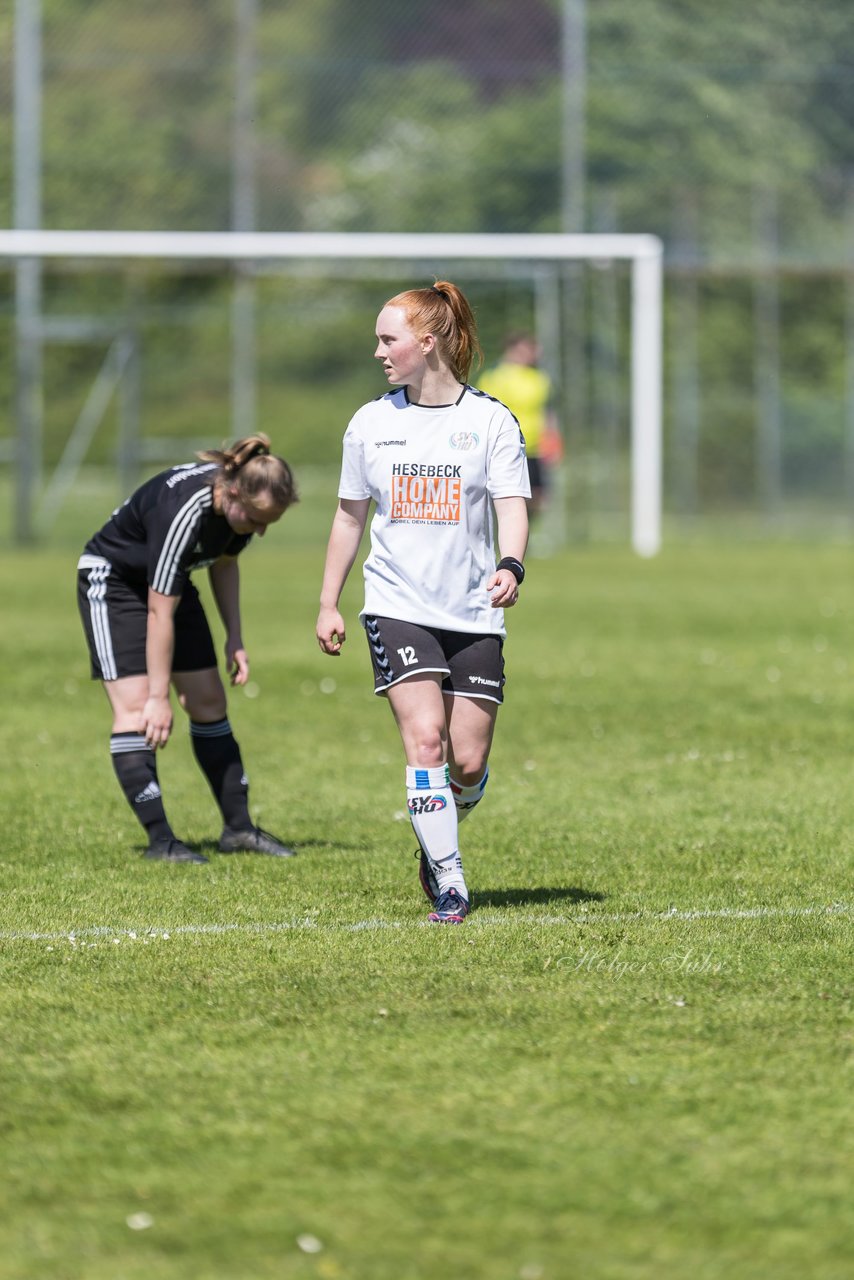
[432, 472]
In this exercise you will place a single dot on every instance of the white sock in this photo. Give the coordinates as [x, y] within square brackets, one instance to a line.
[468, 798]
[433, 815]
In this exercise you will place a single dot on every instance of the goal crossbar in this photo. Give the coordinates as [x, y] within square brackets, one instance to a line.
[644, 252]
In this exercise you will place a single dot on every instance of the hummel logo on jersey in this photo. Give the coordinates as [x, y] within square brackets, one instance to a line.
[426, 804]
[151, 792]
[383, 444]
[493, 684]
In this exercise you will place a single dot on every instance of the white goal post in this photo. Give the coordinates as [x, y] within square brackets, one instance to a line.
[644, 252]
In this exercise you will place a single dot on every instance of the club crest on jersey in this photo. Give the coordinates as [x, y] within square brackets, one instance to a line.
[426, 804]
[464, 441]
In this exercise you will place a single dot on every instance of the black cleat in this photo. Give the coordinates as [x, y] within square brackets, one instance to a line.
[449, 908]
[171, 850]
[253, 840]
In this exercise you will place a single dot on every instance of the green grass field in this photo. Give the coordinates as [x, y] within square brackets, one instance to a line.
[633, 1062]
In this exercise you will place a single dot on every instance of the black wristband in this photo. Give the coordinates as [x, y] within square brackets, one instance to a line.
[515, 566]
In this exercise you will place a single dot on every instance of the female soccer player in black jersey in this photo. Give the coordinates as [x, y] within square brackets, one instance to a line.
[146, 627]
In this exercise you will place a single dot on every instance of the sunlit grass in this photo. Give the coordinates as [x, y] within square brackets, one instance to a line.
[629, 1063]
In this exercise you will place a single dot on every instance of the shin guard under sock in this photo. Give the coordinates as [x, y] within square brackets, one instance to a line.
[468, 798]
[433, 815]
[218, 755]
[135, 766]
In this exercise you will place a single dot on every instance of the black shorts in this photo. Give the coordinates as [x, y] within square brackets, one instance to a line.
[472, 665]
[115, 619]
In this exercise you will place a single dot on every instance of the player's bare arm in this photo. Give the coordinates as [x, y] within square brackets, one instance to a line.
[224, 577]
[342, 549]
[512, 517]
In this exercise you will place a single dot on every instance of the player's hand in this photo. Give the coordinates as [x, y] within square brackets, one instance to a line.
[330, 631]
[237, 664]
[503, 589]
[156, 722]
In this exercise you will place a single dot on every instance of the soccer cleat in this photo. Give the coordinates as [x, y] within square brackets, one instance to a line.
[449, 908]
[253, 840]
[169, 849]
[429, 883]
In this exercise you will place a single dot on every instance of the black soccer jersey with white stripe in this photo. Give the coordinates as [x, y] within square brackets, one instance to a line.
[166, 529]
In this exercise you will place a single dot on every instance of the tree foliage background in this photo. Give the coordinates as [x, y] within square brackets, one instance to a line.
[404, 115]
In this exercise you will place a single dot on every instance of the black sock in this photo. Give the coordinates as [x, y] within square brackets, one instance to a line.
[136, 770]
[219, 758]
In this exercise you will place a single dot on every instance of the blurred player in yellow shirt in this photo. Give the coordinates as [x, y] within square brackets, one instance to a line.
[526, 390]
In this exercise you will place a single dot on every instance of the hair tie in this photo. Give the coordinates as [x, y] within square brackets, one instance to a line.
[441, 293]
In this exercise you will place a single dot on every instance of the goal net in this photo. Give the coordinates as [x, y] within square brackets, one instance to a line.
[181, 338]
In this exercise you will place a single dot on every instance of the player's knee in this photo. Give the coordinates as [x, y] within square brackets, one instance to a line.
[469, 770]
[205, 705]
[206, 712]
[469, 760]
[428, 748]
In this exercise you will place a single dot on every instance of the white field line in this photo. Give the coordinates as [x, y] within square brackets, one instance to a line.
[480, 918]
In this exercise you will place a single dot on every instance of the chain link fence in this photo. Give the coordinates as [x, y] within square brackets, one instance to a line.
[732, 140]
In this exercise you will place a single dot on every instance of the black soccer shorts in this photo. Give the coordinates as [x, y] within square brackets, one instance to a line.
[472, 665]
[115, 620]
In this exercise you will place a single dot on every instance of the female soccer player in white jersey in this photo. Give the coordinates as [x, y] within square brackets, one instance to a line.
[437, 457]
[146, 627]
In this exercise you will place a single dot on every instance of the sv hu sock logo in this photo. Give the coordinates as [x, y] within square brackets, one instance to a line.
[426, 804]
